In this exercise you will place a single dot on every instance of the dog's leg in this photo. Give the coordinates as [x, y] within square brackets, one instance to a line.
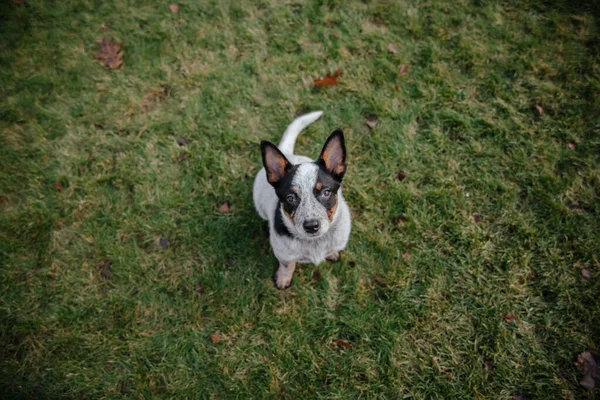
[334, 256]
[283, 276]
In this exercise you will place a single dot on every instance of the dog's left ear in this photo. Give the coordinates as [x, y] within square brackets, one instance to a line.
[333, 155]
[274, 162]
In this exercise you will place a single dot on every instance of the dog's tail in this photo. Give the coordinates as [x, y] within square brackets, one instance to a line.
[288, 141]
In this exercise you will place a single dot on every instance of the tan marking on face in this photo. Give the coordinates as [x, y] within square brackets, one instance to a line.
[319, 186]
[290, 216]
[331, 211]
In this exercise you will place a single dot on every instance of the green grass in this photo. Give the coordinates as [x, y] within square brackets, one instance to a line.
[91, 306]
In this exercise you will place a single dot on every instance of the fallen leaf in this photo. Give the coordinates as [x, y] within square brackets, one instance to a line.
[371, 121]
[476, 217]
[105, 27]
[587, 365]
[199, 289]
[586, 273]
[224, 208]
[510, 317]
[329, 79]
[164, 243]
[215, 338]
[392, 48]
[342, 343]
[316, 276]
[174, 8]
[403, 69]
[106, 271]
[539, 111]
[59, 186]
[182, 140]
[400, 175]
[111, 53]
[183, 156]
[571, 146]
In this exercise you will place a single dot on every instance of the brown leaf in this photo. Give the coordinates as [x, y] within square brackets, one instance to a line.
[539, 111]
[400, 175]
[215, 338]
[182, 140]
[587, 365]
[510, 317]
[164, 243]
[224, 208]
[342, 343]
[403, 69]
[571, 146]
[58, 186]
[316, 276]
[106, 271]
[199, 289]
[587, 273]
[183, 156]
[105, 27]
[111, 53]
[174, 8]
[371, 121]
[392, 48]
[328, 80]
[476, 217]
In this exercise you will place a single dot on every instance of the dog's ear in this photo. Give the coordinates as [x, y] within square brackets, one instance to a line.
[274, 162]
[333, 155]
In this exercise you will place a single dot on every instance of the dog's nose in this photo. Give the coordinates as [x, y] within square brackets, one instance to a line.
[311, 225]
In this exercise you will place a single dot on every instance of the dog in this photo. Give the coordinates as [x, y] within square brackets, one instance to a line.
[302, 200]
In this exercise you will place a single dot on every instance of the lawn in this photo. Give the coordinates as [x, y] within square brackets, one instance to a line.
[473, 268]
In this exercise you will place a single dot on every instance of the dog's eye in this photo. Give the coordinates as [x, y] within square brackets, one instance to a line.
[290, 198]
[326, 193]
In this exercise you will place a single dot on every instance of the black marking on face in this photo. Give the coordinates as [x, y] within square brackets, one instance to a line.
[280, 227]
[287, 194]
[326, 190]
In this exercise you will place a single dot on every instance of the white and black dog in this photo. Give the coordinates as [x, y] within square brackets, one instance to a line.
[309, 221]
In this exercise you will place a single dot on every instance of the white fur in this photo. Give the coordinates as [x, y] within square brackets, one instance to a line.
[333, 235]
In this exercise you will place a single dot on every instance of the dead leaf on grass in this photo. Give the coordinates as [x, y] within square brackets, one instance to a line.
[328, 80]
[476, 217]
[58, 186]
[539, 111]
[106, 271]
[371, 121]
[510, 317]
[224, 208]
[199, 288]
[404, 69]
[111, 53]
[215, 338]
[586, 273]
[588, 366]
[174, 8]
[571, 146]
[342, 343]
[400, 175]
[183, 156]
[182, 140]
[392, 48]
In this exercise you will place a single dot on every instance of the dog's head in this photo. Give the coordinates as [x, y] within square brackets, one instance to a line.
[308, 192]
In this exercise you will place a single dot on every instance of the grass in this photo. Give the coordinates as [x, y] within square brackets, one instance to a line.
[92, 306]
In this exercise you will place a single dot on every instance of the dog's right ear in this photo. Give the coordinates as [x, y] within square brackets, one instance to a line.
[274, 162]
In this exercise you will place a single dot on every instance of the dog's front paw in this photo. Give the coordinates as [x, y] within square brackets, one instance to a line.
[333, 257]
[283, 275]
